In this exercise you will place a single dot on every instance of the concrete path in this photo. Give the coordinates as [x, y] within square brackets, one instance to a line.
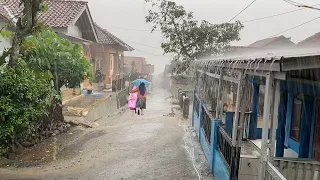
[158, 145]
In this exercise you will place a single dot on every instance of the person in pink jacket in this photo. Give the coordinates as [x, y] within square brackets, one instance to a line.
[132, 101]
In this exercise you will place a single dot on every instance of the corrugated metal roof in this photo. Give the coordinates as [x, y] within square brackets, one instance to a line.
[276, 61]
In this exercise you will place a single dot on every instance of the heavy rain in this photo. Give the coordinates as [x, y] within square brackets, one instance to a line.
[159, 89]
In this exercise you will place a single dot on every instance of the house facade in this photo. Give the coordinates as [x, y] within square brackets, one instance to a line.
[135, 62]
[140, 65]
[108, 57]
[69, 19]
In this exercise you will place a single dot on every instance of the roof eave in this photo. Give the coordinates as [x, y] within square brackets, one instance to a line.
[91, 23]
[86, 8]
[73, 38]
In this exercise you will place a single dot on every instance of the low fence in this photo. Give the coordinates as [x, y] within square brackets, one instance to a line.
[272, 173]
[122, 97]
[296, 169]
[207, 129]
[229, 117]
[225, 146]
[118, 84]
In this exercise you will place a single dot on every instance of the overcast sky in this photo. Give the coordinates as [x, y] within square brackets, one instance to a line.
[125, 19]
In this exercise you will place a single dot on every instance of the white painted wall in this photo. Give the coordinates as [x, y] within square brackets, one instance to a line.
[60, 30]
[4, 42]
[74, 30]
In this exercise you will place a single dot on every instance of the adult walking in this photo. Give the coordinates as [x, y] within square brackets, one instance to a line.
[142, 97]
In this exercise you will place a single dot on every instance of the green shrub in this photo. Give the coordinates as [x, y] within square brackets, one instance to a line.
[24, 98]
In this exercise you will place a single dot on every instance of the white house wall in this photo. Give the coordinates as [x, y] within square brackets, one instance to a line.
[75, 31]
[4, 42]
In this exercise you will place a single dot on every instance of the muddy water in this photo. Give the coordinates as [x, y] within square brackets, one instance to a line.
[153, 146]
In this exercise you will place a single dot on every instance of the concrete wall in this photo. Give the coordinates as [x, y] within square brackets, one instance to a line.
[184, 84]
[249, 167]
[107, 105]
[103, 108]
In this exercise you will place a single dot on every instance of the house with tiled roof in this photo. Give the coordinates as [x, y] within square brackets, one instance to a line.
[108, 55]
[311, 42]
[140, 65]
[267, 45]
[72, 20]
[69, 19]
[273, 43]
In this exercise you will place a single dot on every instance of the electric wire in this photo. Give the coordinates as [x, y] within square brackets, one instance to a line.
[295, 27]
[242, 10]
[275, 15]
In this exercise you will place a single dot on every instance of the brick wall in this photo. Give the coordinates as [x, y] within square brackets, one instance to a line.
[105, 52]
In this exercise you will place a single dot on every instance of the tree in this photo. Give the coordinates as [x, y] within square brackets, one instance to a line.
[24, 93]
[185, 36]
[26, 25]
[46, 51]
[65, 62]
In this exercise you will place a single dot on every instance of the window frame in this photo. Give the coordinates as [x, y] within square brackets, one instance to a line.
[292, 116]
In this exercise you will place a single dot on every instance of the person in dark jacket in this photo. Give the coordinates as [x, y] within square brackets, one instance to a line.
[142, 97]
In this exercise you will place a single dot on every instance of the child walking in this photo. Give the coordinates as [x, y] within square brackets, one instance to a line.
[132, 101]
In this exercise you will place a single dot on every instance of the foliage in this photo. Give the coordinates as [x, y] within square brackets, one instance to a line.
[46, 51]
[185, 36]
[26, 25]
[134, 74]
[23, 101]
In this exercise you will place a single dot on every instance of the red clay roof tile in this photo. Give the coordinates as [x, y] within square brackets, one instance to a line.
[61, 13]
[105, 37]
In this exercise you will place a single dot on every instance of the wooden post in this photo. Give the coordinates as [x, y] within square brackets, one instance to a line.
[193, 99]
[186, 102]
[282, 112]
[200, 119]
[243, 90]
[274, 123]
[265, 129]
[219, 101]
[236, 116]
[252, 133]
[243, 102]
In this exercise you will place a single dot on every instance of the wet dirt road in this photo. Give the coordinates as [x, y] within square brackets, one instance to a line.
[153, 146]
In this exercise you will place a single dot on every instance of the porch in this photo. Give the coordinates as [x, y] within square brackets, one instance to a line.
[270, 109]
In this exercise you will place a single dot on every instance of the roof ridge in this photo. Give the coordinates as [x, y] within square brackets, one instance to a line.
[309, 38]
[114, 38]
[270, 39]
[109, 33]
